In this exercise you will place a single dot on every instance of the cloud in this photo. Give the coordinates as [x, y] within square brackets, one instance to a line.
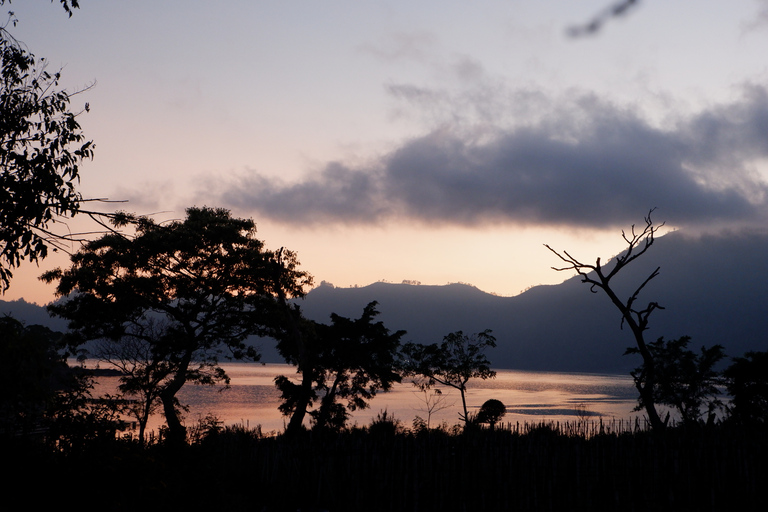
[584, 162]
[415, 46]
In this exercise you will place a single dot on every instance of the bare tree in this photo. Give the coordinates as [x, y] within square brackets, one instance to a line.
[433, 399]
[638, 242]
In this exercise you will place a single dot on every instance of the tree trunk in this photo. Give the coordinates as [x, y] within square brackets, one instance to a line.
[177, 432]
[296, 423]
[645, 387]
[326, 405]
[464, 405]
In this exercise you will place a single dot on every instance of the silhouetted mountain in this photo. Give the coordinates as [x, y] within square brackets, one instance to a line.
[31, 314]
[712, 288]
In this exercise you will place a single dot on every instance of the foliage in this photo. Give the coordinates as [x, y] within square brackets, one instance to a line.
[40, 394]
[346, 361]
[684, 380]
[515, 467]
[31, 373]
[491, 412]
[77, 420]
[68, 5]
[434, 401]
[142, 369]
[181, 292]
[205, 427]
[385, 424]
[599, 278]
[747, 383]
[456, 360]
[41, 149]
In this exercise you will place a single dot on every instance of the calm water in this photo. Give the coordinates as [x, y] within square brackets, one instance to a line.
[529, 396]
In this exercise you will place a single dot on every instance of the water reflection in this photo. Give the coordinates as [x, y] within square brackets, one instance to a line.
[529, 396]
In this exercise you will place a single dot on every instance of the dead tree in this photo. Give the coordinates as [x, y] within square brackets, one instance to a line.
[637, 319]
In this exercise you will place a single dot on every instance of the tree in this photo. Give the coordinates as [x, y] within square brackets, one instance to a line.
[491, 412]
[143, 369]
[684, 380]
[186, 291]
[41, 395]
[452, 363]
[41, 149]
[747, 384]
[294, 334]
[31, 373]
[598, 278]
[434, 401]
[348, 361]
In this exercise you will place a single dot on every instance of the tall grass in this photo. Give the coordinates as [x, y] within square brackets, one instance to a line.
[571, 466]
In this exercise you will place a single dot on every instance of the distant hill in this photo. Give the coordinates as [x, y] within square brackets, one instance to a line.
[713, 289]
[31, 314]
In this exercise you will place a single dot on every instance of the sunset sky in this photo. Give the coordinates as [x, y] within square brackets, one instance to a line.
[434, 141]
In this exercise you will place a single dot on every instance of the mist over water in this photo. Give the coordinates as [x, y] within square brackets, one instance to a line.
[531, 397]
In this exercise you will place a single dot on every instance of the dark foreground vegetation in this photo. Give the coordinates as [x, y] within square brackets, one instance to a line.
[386, 468]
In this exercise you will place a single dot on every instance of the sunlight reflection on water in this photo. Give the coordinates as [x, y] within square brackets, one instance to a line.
[529, 396]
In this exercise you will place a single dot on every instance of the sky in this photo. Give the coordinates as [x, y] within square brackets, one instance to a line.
[430, 141]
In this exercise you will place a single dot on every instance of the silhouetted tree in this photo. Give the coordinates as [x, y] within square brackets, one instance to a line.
[452, 363]
[747, 384]
[684, 380]
[206, 281]
[434, 401]
[41, 395]
[295, 334]
[41, 149]
[599, 278]
[348, 360]
[491, 412]
[31, 373]
[143, 369]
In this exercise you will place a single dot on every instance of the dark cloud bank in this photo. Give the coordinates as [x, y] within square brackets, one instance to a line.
[587, 163]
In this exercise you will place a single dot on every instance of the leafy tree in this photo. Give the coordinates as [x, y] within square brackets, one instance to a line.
[599, 278]
[747, 384]
[31, 373]
[41, 394]
[347, 362]
[184, 291]
[294, 334]
[41, 149]
[452, 363]
[684, 380]
[491, 412]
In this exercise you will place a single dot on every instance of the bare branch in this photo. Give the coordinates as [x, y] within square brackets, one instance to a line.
[638, 242]
[619, 8]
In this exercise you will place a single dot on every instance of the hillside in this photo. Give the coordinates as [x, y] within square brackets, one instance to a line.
[712, 289]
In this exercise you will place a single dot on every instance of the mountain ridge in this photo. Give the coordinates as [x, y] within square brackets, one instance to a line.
[712, 288]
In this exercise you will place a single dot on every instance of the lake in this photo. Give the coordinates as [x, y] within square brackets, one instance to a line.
[530, 397]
